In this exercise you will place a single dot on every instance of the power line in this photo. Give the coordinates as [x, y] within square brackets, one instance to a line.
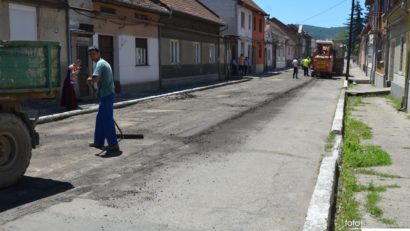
[322, 12]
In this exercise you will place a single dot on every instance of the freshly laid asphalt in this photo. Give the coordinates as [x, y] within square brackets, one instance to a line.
[391, 131]
[240, 157]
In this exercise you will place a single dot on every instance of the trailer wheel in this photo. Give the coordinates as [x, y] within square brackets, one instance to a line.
[15, 149]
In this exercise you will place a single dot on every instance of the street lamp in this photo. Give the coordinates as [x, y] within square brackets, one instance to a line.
[349, 47]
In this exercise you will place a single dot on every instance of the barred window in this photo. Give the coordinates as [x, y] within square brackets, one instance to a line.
[141, 54]
[402, 42]
[197, 53]
[212, 53]
[174, 51]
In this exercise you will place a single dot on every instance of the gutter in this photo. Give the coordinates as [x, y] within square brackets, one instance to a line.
[159, 57]
[131, 5]
[115, 16]
[68, 31]
[192, 31]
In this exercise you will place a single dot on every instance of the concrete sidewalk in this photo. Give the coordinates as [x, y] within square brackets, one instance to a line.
[361, 84]
[391, 131]
[357, 75]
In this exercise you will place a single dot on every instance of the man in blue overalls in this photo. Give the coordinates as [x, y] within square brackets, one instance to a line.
[104, 126]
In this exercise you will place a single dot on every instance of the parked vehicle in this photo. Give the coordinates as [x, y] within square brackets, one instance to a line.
[328, 59]
[28, 70]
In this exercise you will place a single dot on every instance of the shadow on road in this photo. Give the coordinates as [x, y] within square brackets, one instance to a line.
[30, 189]
[109, 154]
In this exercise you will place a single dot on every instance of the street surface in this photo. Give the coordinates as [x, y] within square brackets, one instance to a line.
[239, 157]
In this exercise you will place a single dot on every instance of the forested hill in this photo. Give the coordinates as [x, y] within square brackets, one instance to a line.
[323, 33]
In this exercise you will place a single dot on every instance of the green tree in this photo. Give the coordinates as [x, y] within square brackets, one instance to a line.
[358, 24]
[358, 21]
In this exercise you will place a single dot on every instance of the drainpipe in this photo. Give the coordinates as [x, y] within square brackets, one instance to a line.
[67, 18]
[159, 57]
[386, 58]
[225, 67]
[406, 81]
[68, 45]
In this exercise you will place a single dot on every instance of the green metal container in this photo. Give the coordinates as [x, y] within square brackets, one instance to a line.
[29, 69]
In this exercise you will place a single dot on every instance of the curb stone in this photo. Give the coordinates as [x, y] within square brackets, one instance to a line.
[319, 214]
[337, 126]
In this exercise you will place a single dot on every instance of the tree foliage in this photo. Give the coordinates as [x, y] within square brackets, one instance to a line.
[359, 22]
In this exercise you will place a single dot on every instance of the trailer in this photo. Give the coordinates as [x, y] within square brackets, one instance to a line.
[28, 70]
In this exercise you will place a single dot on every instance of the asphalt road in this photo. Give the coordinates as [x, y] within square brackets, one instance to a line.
[238, 157]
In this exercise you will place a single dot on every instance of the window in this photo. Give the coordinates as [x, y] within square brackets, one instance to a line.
[242, 48]
[249, 51]
[197, 53]
[260, 25]
[23, 22]
[174, 51]
[211, 53]
[250, 22]
[254, 23]
[401, 54]
[392, 52]
[260, 51]
[380, 56]
[141, 52]
[242, 19]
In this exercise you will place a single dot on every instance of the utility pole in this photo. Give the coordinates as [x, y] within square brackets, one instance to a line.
[349, 47]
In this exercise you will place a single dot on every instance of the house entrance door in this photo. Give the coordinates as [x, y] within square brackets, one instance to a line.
[106, 46]
[82, 54]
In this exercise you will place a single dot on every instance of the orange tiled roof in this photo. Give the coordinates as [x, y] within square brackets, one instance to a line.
[253, 5]
[193, 8]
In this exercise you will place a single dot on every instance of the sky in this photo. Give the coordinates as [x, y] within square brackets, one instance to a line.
[323, 13]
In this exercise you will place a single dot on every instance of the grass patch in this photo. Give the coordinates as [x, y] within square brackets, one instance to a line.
[359, 129]
[372, 172]
[350, 85]
[390, 222]
[375, 188]
[353, 102]
[356, 155]
[365, 156]
[347, 206]
[372, 198]
[330, 141]
[371, 205]
[395, 102]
